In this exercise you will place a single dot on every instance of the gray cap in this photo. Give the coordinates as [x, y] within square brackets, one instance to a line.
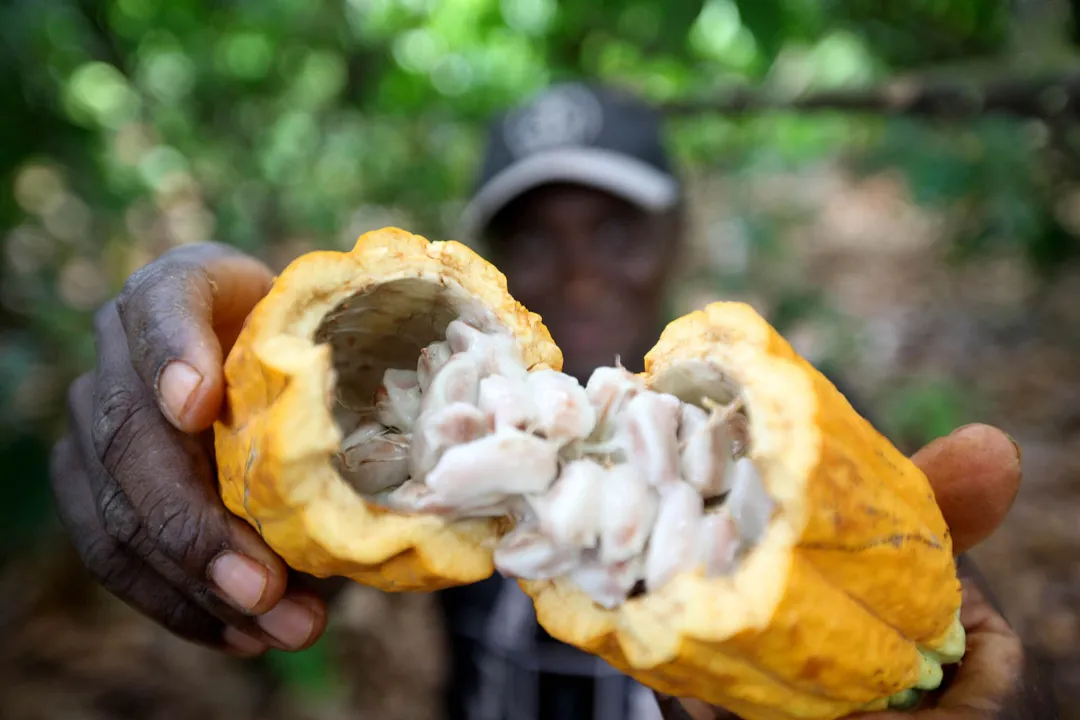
[578, 133]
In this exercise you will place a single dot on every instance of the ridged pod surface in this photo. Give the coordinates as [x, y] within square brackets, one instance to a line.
[851, 596]
[854, 582]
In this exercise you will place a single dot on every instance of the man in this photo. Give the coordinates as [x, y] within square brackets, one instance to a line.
[578, 205]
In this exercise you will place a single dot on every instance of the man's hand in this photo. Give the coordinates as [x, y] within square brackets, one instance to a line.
[975, 473]
[134, 478]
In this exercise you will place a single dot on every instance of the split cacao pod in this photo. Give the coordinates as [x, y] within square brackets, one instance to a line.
[850, 599]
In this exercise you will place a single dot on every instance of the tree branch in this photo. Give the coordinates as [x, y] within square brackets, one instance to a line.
[1050, 98]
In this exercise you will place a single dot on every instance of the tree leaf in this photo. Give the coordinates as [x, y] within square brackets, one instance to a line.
[767, 21]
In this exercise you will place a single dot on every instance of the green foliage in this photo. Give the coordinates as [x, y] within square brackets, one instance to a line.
[919, 33]
[309, 673]
[774, 22]
[26, 495]
[995, 172]
[923, 408]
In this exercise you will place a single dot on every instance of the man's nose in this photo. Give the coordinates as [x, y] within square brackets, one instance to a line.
[584, 290]
[585, 285]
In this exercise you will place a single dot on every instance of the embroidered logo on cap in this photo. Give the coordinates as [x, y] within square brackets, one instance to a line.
[567, 115]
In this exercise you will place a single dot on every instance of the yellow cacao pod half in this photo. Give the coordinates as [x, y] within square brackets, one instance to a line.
[723, 526]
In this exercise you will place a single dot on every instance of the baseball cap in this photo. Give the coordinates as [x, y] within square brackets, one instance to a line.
[574, 132]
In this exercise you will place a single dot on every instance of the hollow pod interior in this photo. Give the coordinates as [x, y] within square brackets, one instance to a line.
[722, 526]
[316, 347]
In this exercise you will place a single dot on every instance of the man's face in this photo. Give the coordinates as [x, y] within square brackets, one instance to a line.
[592, 266]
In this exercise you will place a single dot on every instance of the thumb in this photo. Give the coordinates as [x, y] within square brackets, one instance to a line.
[176, 311]
[975, 473]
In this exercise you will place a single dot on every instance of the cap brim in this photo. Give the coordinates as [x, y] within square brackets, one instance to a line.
[624, 176]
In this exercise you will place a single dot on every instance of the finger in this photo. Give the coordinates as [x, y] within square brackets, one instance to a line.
[120, 572]
[989, 676]
[167, 478]
[992, 663]
[975, 473]
[297, 622]
[155, 489]
[110, 522]
[172, 310]
[241, 644]
[673, 708]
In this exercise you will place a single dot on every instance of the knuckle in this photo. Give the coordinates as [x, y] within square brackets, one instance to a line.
[155, 304]
[118, 515]
[137, 287]
[173, 268]
[121, 420]
[160, 333]
[186, 535]
[141, 505]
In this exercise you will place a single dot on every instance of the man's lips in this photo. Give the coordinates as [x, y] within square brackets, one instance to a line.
[580, 326]
[589, 334]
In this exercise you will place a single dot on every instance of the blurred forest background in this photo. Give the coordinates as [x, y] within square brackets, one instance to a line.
[896, 183]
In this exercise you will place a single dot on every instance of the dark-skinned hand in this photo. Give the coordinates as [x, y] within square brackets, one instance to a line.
[134, 478]
[975, 473]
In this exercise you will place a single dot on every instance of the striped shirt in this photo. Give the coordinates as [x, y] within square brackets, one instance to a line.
[505, 666]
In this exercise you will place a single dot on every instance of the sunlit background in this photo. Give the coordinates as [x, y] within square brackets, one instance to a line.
[930, 257]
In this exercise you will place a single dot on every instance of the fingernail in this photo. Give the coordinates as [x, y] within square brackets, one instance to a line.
[983, 427]
[289, 622]
[176, 386]
[1019, 450]
[241, 579]
[241, 644]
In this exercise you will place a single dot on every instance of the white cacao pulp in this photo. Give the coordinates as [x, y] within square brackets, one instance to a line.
[613, 484]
